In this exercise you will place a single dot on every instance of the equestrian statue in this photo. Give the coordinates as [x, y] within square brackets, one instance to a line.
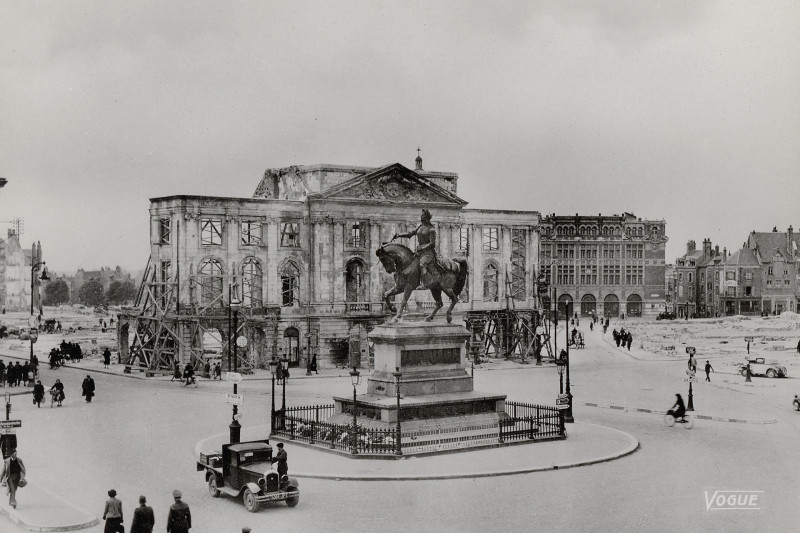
[412, 269]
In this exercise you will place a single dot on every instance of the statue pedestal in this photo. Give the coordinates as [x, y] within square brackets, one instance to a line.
[436, 389]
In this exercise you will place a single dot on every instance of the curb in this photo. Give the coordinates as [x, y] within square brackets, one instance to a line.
[632, 446]
[656, 412]
[13, 516]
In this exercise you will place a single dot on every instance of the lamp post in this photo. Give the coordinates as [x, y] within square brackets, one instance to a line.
[285, 367]
[355, 378]
[44, 277]
[235, 426]
[273, 367]
[568, 412]
[554, 305]
[397, 375]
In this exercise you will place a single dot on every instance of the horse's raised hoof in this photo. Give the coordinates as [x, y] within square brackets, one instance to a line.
[428, 319]
[449, 318]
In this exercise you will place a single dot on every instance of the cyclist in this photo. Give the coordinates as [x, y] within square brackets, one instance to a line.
[678, 409]
[57, 391]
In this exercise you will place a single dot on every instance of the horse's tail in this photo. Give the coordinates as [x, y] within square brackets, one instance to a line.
[461, 278]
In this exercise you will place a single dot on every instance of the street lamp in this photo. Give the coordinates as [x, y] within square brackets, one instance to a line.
[273, 368]
[235, 427]
[284, 373]
[355, 378]
[44, 277]
[397, 375]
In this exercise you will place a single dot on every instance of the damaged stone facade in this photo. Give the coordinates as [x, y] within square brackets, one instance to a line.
[300, 256]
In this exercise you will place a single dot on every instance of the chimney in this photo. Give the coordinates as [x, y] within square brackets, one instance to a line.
[716, 250]
[725, 252]
[774, 229]
[690, 247]
[706, 247]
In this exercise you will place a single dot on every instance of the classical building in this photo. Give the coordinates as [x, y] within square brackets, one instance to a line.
[606, 265]
[298, 262]
[778, 254]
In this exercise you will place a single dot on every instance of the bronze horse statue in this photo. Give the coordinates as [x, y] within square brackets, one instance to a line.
[449, 276]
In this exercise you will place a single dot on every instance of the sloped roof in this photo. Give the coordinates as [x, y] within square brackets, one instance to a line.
[743, 257]
[768, 243]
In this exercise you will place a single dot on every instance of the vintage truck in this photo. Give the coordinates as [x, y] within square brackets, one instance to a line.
[245, 470]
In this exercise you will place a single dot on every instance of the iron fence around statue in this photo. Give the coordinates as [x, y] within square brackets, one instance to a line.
[531, 421]
[524, 422]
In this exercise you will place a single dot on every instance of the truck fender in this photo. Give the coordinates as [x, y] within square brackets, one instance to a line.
[293, 482]
[254, 488]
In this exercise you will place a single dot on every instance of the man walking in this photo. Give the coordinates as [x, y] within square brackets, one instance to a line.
[13, 473]
[143, 518]
[180, 518]
[708, 369]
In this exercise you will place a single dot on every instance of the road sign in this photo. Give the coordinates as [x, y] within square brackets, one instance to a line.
[562, 399]
[748, 339]
[690, 350]
[237, 416]
[233, 377]
[10, 423]
[8, 431]
[241, 341]
[235, 399]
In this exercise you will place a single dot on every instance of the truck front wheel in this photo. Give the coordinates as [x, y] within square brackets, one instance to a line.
[250, 502]
[293, 500]
[213, 489]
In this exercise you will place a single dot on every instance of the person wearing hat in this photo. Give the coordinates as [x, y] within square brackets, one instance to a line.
[143, 518]
[180, 518]
[112, 514]
[245, 529]
[281, 458]
[13, 475]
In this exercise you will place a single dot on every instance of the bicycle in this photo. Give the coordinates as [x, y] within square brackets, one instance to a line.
[56, 397]
[670, 420]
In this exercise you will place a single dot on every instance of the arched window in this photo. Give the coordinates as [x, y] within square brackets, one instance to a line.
[605, 231]
[490, 278]
[611, 305]
[252, 283]
[290, 284]
[634, 307]
[355, 283]
[565, 308]
[588, 304]
[639, 232]
[211, 283]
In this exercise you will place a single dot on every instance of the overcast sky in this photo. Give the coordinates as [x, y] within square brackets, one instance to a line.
[686, 111]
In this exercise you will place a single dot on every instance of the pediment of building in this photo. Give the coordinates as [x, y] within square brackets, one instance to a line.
[394, 184]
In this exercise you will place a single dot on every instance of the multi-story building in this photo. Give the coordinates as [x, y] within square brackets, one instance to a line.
[778, 254]
[15, 274]
[609, 265]
[737, 287]
[299, 258]
[691, 294]
[106, 276]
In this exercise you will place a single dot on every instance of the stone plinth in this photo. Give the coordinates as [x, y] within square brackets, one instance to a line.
[431, 357]
[435, 384]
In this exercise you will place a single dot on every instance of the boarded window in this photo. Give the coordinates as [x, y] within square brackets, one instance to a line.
[490, 287]
[290, 278]
[211, 282]
[490, 241]
[252, 284]
[211, 231]
[463, 238]
[163, 231]
[290, 234]
[251, 233]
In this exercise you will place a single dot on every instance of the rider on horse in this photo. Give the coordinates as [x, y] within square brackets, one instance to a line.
[426, 245]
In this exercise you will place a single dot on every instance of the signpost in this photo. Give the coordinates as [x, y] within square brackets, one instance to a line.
[233, 377]
[241, 341]
[690, 350]
[235, 399]
[8, 435]
[562, 402]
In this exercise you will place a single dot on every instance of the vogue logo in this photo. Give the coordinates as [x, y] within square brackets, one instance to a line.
[730, 500]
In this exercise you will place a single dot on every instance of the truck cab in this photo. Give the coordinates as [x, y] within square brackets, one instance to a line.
[245, 470]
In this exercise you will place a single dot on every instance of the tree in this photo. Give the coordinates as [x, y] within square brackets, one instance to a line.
[56, 293]
[91, 293]
[120, 292]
